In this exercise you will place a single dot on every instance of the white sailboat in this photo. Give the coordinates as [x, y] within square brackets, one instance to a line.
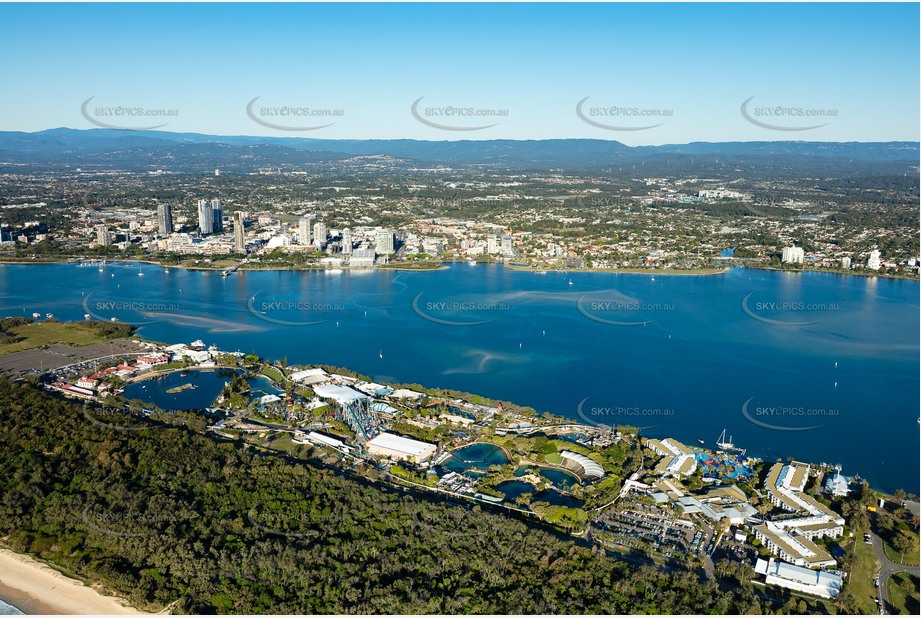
[725, 445]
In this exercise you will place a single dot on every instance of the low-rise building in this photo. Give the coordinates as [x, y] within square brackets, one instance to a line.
[158, 358]
[837, 485]
[792, 548]
[678, 460]
[819, 583]
[400, 448]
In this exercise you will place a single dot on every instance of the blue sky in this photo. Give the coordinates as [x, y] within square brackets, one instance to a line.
[692, 64]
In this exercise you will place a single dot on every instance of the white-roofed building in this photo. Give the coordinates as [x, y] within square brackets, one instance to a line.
[678, 460]
[318, 438]
[819, 583]
[737, 513]
[405, 393]
[794, 548]
[590, 468]
[309, 376]
[372, 388]
[837, 485]
[400, 448]
[340, 394]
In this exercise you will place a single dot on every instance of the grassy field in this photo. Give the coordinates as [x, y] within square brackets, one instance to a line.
[273, 373]
[862, 575]
[38, 334]
[909, 559]
[903, 594]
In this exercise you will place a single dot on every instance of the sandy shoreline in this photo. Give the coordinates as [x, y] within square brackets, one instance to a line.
[35, 588]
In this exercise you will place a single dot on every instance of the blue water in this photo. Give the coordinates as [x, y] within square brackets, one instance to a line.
[726, 466]
[260, 387]
[678, 356]
[560, 478]
[512, 489]
[476, 458]
[8, 610]
[208, 385]
[552, 496]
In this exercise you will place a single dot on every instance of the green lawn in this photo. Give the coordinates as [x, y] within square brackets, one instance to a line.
[38, 334]
[903, 594]
[909, 559]
[273, 373]
[860, 581]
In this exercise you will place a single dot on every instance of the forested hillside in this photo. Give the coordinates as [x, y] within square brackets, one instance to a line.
[165, 514]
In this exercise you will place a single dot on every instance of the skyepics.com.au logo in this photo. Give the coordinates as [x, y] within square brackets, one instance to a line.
[125, 117]
[94, 201]
[113, 418]
[98, 307]
[292, 117]
[627, 118]
[294, 523]
[296, 311]
[132, 522]
[604, 201]
[455, 117]
[780, 117]
[786, 312]
[619, 414]
[616, 309]
[786, 417]
[473, 312]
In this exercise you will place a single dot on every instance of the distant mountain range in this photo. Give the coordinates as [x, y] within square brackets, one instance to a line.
[146, 149]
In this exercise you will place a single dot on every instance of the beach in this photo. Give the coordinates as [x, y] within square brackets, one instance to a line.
[36, 588]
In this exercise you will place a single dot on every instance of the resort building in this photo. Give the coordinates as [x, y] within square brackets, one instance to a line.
[791, 538]
[819, 583]
[797, 550]
[783, 481]
[678, 460]
[736, 513]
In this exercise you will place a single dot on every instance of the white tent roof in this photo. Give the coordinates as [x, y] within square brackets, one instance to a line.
[400, 444]
[342, 394]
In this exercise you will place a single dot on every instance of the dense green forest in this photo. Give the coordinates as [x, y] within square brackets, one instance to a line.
[163, 514]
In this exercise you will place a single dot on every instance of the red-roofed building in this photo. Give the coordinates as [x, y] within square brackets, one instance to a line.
[154, 359]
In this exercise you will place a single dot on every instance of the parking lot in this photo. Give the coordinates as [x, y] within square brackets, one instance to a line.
[644, 527]
[55, 356]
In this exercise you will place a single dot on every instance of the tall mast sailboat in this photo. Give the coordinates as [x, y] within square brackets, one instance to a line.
[728, 446]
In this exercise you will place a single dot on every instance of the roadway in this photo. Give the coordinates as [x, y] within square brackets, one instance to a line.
[888, 569]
